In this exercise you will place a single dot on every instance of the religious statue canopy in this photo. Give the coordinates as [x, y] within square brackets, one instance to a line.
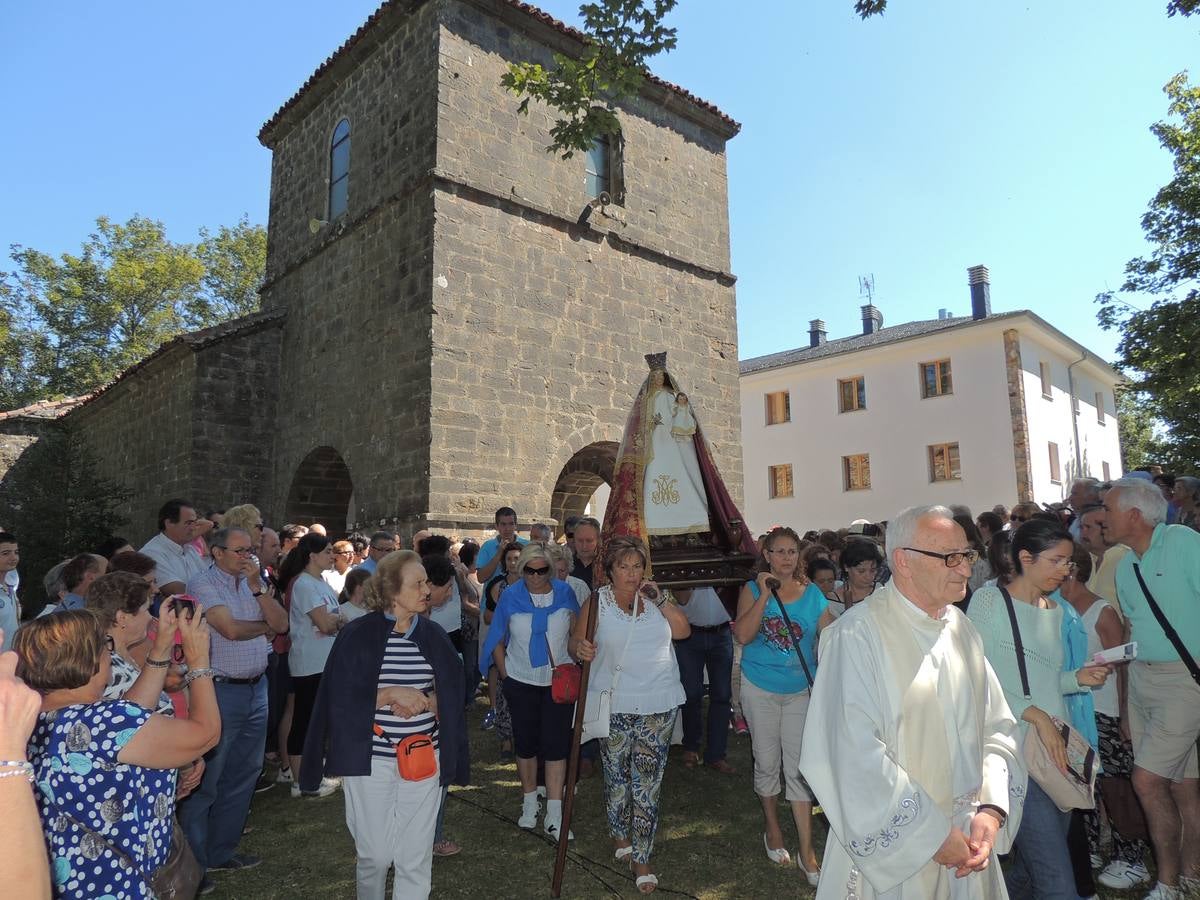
[667, 491]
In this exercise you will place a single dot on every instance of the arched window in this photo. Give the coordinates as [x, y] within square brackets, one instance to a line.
[339, 169]
[604, 167]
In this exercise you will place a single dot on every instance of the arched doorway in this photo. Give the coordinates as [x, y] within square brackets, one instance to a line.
[321, 491]
[584, 472]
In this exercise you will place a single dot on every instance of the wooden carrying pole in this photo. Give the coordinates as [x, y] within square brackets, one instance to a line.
[560, 857]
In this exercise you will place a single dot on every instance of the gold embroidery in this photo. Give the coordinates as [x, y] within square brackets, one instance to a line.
[665, 493]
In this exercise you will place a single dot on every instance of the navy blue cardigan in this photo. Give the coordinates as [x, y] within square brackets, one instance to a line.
[345, 707]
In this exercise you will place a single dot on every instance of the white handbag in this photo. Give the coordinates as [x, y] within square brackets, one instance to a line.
[599, 703]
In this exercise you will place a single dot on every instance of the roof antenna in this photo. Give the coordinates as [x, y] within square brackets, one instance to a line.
[866, 287]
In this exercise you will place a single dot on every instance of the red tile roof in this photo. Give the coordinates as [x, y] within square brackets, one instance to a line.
[526, 8]
[44, 409]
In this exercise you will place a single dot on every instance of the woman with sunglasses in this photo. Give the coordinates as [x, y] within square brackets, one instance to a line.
[1041, 555]
[527, 638]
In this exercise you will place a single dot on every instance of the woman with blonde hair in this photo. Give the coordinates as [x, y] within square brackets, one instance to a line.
[392, 674]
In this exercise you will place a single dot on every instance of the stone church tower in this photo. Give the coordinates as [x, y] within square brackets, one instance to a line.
[463, 328]
[452, 320]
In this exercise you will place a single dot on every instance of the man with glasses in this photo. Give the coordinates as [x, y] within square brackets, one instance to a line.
[382, 543]
[909, 745]
[178, 559]
[243, 616]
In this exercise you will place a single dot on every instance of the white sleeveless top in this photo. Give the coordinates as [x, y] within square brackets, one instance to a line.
[1105, 698]
[649, 681]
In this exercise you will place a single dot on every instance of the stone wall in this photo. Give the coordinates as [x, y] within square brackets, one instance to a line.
[355, 368]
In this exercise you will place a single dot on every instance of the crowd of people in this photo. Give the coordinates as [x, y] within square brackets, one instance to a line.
[895, 674]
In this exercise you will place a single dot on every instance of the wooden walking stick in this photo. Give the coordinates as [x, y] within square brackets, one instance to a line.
[560, 857]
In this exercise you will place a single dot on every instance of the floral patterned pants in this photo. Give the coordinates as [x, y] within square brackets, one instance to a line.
[635, 757]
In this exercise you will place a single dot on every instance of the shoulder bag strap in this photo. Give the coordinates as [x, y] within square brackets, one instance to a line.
[787, 622]
[124, 858]
[1168, 628]
[1016, 633]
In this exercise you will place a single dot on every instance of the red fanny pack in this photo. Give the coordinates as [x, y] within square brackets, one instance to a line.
[416, 758]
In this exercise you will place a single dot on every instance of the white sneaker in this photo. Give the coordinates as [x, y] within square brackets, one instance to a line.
[553, 826]
[1122, 876]
[327, 787]
[1164, 892]
[284, 776]
[529, 811]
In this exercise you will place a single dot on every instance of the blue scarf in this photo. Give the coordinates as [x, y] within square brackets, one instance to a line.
[1080, 706]
[516, 600]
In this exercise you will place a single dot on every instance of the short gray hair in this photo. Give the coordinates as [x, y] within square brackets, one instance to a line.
[221, 537]
[1144, 496]
[1190, 484]
[902, 530]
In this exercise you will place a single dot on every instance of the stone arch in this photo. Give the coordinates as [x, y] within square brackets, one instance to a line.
[321, 491]
[585, 471]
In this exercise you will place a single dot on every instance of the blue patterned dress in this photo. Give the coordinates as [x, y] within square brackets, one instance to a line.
[88, 800]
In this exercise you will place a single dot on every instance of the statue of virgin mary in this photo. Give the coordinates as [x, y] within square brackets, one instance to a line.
[673, 500]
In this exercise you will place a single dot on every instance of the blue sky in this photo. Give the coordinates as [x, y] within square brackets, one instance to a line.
[943, 135]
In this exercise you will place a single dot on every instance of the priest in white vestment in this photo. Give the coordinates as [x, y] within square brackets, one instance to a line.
[909, 746]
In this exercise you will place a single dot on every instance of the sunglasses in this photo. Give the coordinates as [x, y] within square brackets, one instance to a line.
[530, 570]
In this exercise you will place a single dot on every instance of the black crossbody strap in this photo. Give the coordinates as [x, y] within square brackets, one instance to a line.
[792, 636]
[1016, 632]
[1168, 628]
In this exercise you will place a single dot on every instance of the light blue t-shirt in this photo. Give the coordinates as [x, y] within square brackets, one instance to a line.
[769, 661]
[1171, 569]
[489, 550]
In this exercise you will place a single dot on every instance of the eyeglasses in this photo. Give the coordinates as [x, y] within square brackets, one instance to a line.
[952, 560]
[530, 570]
[240, 551]
[1065, 562]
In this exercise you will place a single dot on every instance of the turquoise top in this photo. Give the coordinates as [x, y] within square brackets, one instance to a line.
[1171, 568]
[1042, 637]
[769, 661]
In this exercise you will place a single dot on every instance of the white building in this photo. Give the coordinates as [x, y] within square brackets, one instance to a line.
[974, 410]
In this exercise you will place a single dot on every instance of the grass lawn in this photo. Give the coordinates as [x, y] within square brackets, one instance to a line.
[709, 842]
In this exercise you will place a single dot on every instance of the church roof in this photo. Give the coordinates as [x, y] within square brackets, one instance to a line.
[44, 409]
[388, 6]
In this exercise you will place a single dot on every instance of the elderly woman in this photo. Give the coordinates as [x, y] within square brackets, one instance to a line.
[245, 517]
[105, 769]
[860, 563]
[564, 562]
[634, 623]
[1041, 554]
[314, 621]
[776, 685]
[1186, 495]
[527, 638]
[384, 681]
[343, 561]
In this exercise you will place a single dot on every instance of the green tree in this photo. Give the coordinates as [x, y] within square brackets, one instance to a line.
[1136, 424]
[1157, 346]
[72, 324]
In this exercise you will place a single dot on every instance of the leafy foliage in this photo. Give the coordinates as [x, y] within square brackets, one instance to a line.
[1157, 347]
[1135, 421]
[70, 325]
[623, 35]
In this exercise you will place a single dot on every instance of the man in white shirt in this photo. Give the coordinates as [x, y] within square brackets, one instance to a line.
[178, 561]
[708, 648]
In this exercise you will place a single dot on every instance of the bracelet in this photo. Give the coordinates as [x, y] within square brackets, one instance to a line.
[157, 663]
[17, 768]
[198, 673]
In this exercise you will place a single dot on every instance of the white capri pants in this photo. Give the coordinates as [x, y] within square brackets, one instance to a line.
[392, 823]
[776, 727]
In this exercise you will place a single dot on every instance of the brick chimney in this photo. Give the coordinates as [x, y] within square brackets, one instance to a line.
[872, 319]
[981, 292]
[816, 333]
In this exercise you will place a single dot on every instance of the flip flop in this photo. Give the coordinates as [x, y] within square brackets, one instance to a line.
[646, 880]
[623, 853]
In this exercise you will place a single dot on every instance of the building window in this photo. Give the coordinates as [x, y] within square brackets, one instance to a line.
[1055, 471]
[852, 394]
[856, 472]
[339, 169]
[780, 478]
[604, 168]
[1100, 410]
[943, 463]
[1106, 471]
[935, 379]
[779, 408]
[1047, 385]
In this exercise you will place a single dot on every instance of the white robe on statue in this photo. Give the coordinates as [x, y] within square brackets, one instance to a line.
[892, 785]
[673, 499]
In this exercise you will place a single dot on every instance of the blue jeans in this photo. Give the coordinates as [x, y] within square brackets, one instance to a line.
[711, 650]
[1040, 863]
[214, 815]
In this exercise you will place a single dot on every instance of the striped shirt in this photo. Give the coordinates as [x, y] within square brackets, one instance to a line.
[405, 666]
